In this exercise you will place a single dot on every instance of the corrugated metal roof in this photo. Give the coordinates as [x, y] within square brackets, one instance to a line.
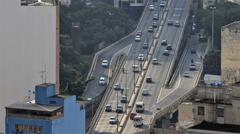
[33, 107]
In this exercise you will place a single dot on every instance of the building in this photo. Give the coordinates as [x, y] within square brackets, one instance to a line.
[29, 50]
[49, 113]
[230, 56]
[66, 2]
[213, 110]
[234, 1]
[207, 3]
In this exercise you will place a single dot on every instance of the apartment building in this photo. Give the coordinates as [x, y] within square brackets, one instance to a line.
[48, 113]
[230, 57]
[213, 110]
[29, 49]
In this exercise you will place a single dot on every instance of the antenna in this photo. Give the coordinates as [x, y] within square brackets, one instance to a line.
[44, 75]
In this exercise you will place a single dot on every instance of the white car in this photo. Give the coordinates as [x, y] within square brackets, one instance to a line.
[104, 63]
[154, 61]
[151, 7]
[141, 57]
[102, 81]
[113, 120]
[186, 74]
[137, 38]
[166, 53]
[145, 92]
[163, 3]
[177, 23]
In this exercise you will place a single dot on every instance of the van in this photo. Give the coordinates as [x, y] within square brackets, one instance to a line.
[135, 68]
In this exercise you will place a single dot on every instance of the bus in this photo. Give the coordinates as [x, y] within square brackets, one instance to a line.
[139, 107]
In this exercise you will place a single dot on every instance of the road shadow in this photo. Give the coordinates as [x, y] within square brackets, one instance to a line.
[147, 112]
[144, 126]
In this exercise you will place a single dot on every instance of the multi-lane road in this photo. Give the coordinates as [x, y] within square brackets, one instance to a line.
[175, 10]
[179, 10]
[126, 80]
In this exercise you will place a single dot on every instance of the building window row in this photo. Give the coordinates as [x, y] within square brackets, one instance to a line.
[28, 128]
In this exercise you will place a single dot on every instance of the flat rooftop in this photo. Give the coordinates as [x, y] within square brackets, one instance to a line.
[39, 2]
[33, 107]
[217, 127]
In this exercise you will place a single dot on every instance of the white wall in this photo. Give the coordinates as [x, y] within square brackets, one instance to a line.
[27, 44]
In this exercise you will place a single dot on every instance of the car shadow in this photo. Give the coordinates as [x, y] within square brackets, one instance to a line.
[147, 112]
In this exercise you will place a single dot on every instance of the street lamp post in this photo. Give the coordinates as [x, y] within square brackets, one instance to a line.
[117, 112]
[126, 92]
[213, 8]
[91, 100]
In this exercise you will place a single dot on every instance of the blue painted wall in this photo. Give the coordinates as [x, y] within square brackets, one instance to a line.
[42, 92]
[73, 121]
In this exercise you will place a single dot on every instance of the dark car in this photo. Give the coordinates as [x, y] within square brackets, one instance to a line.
[164, 42]
[149, 80]
[119, 109]
[150, 29]
[154, 24]
[132, 115]
[145, 45]
[108, 108]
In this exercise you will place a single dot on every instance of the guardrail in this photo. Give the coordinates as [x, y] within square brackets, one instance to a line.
[117, 69]
[172, 65]
[108, 47]
[176, 72]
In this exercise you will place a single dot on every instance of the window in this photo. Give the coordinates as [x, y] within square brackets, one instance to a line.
[53, 102]
[28, 128]
[220, 112]
[200, 110]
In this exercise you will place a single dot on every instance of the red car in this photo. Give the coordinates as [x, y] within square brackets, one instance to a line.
[132, 115]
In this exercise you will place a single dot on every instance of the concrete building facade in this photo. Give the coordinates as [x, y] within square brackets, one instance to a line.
[234, 1]
[230, 56]
[216, 105]
[29, 49]
[47, 114]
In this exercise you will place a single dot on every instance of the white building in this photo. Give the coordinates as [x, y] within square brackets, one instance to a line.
[66, 2]
[29, 45]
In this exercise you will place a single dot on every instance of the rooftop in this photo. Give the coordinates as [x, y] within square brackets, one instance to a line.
[39, 2]
[217, 127]
[233, 26]
[33, 107]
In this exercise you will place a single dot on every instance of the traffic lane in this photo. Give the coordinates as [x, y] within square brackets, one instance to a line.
[141, 98]
[92, 88]
[107, 55]
[99, 71]
[148, 100]
[113, 98]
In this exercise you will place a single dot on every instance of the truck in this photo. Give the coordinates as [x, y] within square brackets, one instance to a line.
[139, 107]
[138, 121]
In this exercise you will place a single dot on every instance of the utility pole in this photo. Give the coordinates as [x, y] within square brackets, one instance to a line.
[126, 92]
[117, 113]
